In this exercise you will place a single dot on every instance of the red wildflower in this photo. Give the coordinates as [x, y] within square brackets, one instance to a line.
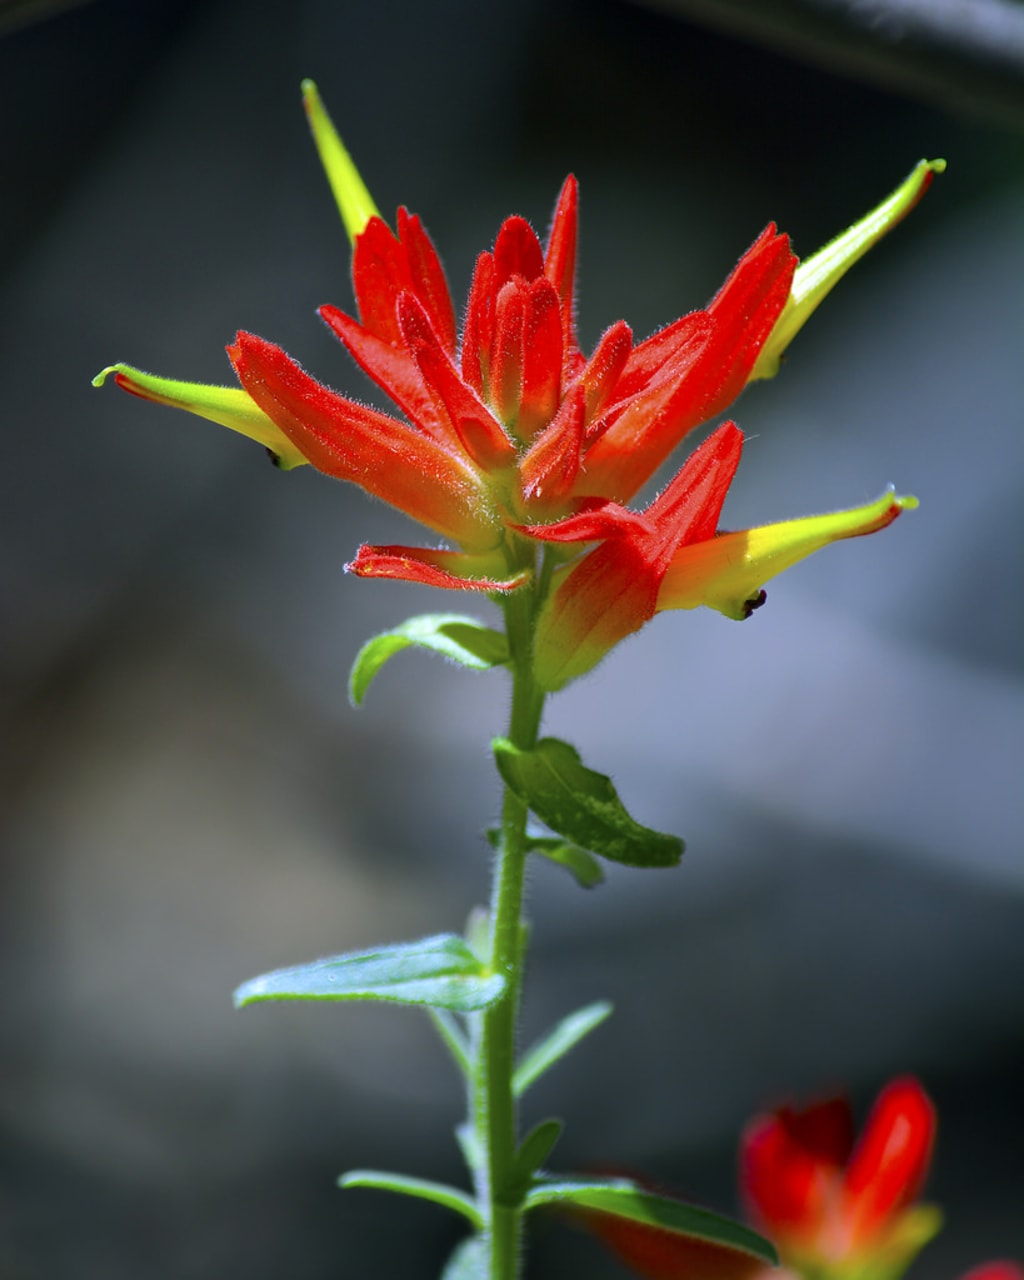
[510, 433]
[999, 1269]
[835, 1206]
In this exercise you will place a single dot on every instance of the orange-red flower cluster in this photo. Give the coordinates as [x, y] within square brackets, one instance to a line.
[512, 440]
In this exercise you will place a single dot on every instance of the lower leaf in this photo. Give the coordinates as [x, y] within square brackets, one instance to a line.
[461, 639]
[620, 1198]
[419, 1188]
[581, 805]
[440, 971]
[468, 1262]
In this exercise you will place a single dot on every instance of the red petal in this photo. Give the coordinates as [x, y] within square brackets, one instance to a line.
[471, 422]
[786, 1188]
[688, 509]
[745, 310]
[560, 255]
[682, 385]
[427, 276]
[392, 368]
[599, 601]
[432, 568]
[890, 1162]
[344, 439]
[824, 1130]
[517, 251]
[542, 360]
[385, 265]
[380, 272]
[997, 1269]
[550, 467]
[478, 333]
[507, 349]
[652, 354]
[604, 368]
[604, 521]
[639, 434]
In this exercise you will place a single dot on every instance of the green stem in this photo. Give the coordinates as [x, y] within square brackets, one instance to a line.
[499, 1195]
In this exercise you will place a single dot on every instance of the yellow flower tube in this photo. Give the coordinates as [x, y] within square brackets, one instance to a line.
[816, 277]
[231, 407]
[728, 571]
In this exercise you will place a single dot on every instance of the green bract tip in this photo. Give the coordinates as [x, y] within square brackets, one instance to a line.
[355, 203]
[818, 275]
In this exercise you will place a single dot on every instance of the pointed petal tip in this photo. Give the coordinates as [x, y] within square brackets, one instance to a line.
[103, 374]
[817, 275]
[355, 204]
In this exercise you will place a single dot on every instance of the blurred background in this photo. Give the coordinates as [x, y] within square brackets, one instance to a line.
[189, 800]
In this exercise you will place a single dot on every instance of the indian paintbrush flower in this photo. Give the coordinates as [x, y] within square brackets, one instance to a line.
[512, 436]
[837, 1206]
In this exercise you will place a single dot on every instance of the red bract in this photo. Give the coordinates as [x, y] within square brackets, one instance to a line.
[513, 426]
[836, 1206]
[510, 435]
[1000, 1269]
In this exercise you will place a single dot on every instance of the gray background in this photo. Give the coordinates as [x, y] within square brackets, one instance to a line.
[189, 800]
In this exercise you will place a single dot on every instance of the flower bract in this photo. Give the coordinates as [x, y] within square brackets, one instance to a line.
[515, 446]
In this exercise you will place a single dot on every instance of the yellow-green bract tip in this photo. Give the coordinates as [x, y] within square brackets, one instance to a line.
[816, 276]
[355, 204]
[231, 407]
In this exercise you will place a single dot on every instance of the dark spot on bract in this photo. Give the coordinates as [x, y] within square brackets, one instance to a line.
[275, 460]
[755, 602]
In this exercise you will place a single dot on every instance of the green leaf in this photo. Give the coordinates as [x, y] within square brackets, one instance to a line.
[581, 865]
[557, 1043]
[439, 971]
[535, 1149]
[421, 1188]
[581, 805]
[624, 1199]
[469, 1261]
[469, 1145]
[454, 1037]
[463, 640]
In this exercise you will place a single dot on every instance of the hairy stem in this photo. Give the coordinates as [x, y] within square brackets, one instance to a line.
[494, 1107]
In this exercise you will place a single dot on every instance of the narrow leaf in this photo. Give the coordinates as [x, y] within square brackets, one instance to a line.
[581, 865]
[468, 1262]
[452, 1034]
[421, 1188]
[535, 1149]
[469, 1145]
[624, 1199]
[462, 639]
[581, 805]
[557, 1043]
[439, 971]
